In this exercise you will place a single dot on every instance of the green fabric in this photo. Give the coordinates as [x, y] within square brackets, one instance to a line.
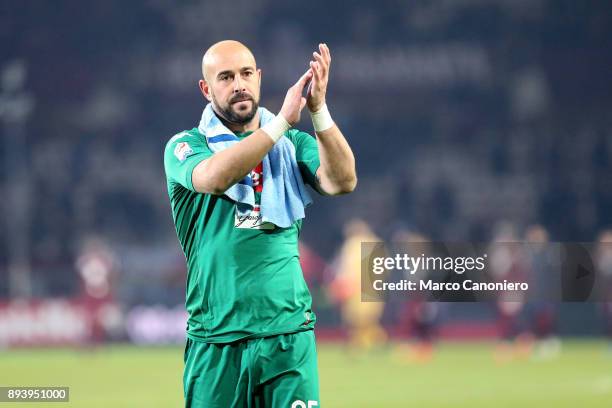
[271, 372]
[241, 283]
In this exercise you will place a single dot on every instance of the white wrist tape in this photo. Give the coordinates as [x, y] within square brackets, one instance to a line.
[321, 119]
[276, 127]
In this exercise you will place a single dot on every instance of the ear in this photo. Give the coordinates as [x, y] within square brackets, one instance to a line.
[205, 89]
[259, 76]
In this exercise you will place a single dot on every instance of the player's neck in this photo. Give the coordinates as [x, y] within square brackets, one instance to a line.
[251, 126]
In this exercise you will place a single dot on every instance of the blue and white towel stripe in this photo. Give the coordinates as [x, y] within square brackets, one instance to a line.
[284, 195]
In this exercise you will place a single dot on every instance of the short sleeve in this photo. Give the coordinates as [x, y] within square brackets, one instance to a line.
[182, 154]
[307, 155]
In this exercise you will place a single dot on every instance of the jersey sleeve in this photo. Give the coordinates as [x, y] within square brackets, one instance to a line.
[182, 154]
[307, 155]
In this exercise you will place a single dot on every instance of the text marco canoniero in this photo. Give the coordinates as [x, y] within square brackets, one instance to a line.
[459, 265]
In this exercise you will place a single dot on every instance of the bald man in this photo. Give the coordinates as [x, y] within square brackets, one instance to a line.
[236, 187]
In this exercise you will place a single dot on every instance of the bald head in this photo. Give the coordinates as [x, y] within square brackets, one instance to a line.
[226, 54]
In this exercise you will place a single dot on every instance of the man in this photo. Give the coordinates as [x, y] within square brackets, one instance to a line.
[236, 186]
[361, 319]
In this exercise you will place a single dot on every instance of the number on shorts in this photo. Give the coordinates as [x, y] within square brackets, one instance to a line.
[302, 404]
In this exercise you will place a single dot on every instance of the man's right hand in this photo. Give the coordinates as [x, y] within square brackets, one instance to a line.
[294, 101]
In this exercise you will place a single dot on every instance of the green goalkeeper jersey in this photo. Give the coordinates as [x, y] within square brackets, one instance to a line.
[244, 278]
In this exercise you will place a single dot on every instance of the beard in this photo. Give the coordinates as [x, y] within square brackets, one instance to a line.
[233, 115]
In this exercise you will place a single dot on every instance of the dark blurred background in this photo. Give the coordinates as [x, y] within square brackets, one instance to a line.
[461, 114]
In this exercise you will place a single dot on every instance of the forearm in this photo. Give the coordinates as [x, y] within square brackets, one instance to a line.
[337, 173]
[225, 168]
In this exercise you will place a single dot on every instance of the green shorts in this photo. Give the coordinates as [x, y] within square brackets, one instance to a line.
[270, 372]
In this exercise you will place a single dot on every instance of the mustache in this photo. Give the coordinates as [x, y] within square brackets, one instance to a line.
[243, 96]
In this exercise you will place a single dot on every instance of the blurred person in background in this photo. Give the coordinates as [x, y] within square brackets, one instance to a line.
[508, 262]
[603, 263]
[544, 281]
[237, 190]
[313, 268]
[313, 265]
[361, 319]
[419, 317]
[98, 267]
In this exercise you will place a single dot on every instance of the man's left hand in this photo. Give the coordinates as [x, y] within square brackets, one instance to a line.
[318, 86]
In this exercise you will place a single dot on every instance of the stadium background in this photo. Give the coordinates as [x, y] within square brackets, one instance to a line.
[464, 115]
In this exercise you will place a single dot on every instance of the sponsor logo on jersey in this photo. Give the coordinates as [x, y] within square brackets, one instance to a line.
[253, 220]
[182, 150]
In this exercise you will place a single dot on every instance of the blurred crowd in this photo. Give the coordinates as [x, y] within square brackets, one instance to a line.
[527, 324]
